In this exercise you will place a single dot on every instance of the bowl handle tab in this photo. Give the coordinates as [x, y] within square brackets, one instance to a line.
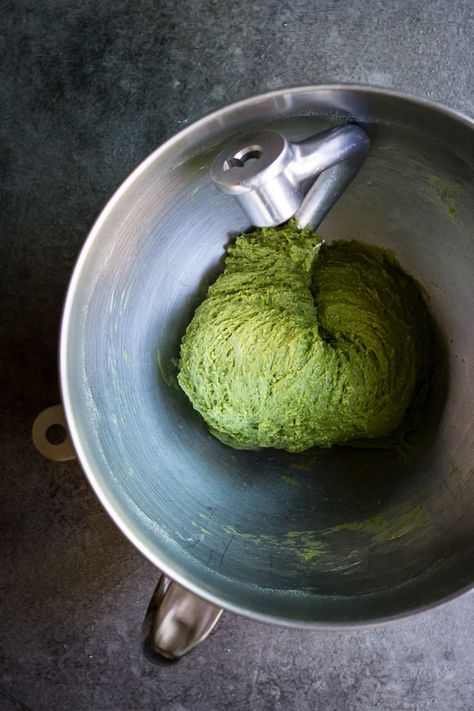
[51, 436]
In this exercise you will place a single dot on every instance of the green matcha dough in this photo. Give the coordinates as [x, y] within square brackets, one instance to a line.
[299, 343]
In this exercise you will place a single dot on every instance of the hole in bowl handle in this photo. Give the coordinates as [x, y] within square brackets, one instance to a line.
[175, 622]
[52, 417]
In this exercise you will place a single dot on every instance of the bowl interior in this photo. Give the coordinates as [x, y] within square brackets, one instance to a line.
[339, 535]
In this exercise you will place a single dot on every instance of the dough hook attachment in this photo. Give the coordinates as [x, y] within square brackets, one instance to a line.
[269, 175]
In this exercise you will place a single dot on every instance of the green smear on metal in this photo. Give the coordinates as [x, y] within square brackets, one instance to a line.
[201, 529]
[304, 545]
[288, 479]
[445, 192]
[452, 212]
[167, 371]
[315, 547]
[186, 539]
[206, 517]
[302, 467]
[397, 522]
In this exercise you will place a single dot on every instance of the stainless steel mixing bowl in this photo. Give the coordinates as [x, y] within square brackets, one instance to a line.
[329, 537]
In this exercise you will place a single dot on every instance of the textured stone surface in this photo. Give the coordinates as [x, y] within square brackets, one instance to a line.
[88, 90]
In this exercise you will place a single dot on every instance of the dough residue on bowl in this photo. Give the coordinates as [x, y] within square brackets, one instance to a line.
[301, 343]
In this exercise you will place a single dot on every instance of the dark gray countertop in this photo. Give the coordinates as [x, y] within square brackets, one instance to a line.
[87, 91]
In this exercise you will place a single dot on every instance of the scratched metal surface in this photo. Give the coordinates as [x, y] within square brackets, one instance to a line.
[88, 92]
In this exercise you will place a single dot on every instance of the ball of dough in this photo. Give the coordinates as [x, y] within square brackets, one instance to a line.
[300, 343]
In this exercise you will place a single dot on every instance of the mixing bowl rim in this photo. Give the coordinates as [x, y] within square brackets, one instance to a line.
[121, 520]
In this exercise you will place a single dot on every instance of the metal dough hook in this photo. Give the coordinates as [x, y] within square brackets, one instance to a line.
[268, 174]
